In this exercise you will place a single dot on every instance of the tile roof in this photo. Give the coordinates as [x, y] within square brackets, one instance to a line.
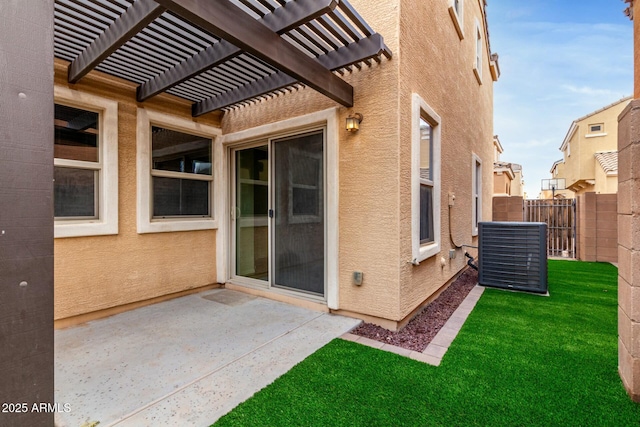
[608, 160]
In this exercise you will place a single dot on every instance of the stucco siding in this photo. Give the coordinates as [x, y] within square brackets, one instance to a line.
[100, 272]
[374, 173]
[368, 164]
[580, 164]
[438, 66]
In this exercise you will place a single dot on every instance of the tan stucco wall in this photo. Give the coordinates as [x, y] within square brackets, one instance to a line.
[96, 273]
[375, 164]
[368, 169]
[438, 66]
[517, 189]
[605, 184]
[581, 163]
[501, 184]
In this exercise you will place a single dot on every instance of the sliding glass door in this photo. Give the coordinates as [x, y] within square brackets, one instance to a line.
[279, 213]
[251, 212]
[298, 237]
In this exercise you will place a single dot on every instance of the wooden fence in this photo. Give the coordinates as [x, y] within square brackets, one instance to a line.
[560, 216]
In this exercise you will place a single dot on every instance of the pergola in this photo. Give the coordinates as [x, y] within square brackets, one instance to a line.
[217, 54]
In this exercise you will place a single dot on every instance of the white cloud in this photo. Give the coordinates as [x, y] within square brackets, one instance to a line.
[586, 90]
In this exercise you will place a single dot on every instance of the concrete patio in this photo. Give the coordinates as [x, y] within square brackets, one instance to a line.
[187, 361]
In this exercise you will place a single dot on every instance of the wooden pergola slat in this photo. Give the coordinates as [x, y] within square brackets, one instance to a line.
[290, 16]
[363, 49]
[232, 24]
[139, 15]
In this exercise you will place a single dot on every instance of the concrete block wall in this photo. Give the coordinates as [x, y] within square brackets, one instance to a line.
[629, 249]
[597, 227]
[507, 208]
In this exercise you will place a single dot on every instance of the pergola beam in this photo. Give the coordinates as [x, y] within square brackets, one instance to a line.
[363, 49]
[232, 24]
[138, 16]
[285, 18]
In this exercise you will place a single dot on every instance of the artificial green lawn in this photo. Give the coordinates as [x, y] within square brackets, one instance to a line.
[519, 360]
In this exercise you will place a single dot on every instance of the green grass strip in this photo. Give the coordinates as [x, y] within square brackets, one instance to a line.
[519, 360]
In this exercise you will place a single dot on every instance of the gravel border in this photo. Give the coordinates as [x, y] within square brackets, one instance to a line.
[419, 332]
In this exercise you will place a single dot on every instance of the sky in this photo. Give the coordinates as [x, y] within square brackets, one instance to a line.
[560, 60]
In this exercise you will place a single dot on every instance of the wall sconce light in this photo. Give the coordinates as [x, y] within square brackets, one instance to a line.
[353, 122]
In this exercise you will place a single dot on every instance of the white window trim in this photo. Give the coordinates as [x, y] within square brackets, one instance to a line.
[421, 109]
[330, 119]
[457, 17]
[106, 222]
[475, 160]
[477, 61]
[595, 135]
[146, 119]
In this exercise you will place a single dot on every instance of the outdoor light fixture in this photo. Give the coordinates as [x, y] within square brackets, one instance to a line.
[353, 122]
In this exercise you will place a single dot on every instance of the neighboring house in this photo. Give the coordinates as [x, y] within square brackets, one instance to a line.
[503, 177]
[590, 151]
[558, 181]
[172, 176]
[507, 177]
[517, 186]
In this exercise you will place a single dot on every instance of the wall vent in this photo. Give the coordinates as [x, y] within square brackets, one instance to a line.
[513, 255]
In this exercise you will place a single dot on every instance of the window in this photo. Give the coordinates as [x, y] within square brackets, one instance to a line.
[596, 129]
[85, 164]
[456, 11]
[75, 185]
[477, 67]
[181, 171]
[476, 193]
[425, 180]
[175, 173]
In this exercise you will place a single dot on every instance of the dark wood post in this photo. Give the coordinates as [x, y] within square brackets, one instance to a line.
[26, 213]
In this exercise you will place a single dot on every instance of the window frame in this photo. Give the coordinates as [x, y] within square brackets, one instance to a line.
[457, 16]
[477, 63]
[476, 192]
[105, 221]
[146, 223]
[426, 182]
[593, 134]
[420, 109]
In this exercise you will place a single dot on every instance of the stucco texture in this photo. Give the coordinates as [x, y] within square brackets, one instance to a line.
[501, 184]
[438, 66]
[101, 272]
[368, 165]
[375, 164]
[580, 163]
[374, 174]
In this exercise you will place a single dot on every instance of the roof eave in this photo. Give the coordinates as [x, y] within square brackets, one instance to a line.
[572, 130]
